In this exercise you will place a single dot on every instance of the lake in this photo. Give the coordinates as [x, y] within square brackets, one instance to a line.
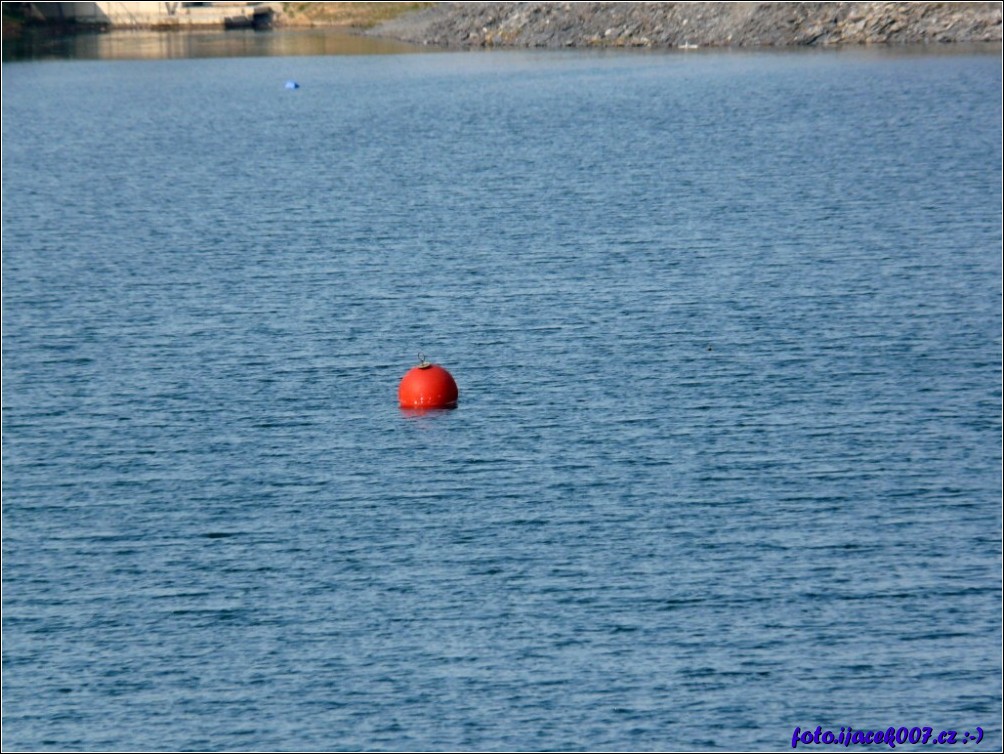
[727, 456]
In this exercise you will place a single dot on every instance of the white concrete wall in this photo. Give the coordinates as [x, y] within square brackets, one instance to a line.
[147, 14]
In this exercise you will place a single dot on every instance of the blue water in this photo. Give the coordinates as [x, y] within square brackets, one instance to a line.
[727, 458]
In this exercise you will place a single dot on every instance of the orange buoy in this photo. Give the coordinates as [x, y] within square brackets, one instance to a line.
[427, 385]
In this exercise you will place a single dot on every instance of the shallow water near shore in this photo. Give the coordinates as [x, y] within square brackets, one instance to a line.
[167, 45]
[727, 455]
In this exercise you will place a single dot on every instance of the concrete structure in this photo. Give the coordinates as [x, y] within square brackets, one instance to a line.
[158, 15]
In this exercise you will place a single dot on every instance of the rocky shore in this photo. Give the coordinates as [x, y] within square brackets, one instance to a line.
[704, 24]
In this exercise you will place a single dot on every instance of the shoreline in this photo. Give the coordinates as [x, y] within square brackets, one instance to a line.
[690, 25]
[472, 25]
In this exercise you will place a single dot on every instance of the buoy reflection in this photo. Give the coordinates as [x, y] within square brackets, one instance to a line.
[418, 413]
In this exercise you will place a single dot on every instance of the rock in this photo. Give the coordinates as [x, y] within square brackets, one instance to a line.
[597, 24]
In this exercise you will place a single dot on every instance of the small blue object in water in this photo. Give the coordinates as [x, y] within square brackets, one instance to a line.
[292, 85]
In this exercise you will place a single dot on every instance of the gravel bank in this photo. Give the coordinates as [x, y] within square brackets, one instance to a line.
[539, 24]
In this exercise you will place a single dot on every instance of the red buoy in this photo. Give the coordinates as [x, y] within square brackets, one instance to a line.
[427, 385]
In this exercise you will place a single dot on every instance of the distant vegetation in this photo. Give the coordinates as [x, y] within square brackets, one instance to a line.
[14, 18]
[357, 15]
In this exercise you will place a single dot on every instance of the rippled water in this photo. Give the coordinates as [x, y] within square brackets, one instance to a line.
[727, 459]
[33, 44]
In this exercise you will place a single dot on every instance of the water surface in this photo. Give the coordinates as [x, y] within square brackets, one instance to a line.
[727, 456]
[159, 45]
